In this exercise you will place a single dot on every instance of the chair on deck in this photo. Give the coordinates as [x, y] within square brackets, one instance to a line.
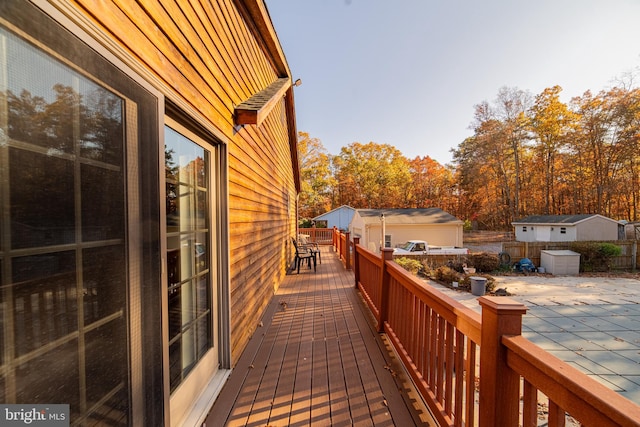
[303, 254]
[313, 246]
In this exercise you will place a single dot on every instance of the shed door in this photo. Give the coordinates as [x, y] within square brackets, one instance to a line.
[543, 233]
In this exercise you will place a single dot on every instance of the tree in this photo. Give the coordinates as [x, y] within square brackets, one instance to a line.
[490, 161]
[372, 176]
[627, 120]
[512, 105]
[430, 182]
[316, 176]
[552, 123]
[472, 180]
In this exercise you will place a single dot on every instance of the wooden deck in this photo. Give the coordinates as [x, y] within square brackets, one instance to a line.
[316, 360]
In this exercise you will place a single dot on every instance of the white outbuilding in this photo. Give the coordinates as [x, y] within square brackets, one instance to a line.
[566, 228]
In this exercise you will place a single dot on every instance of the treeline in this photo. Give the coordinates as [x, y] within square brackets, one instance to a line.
[528, 155]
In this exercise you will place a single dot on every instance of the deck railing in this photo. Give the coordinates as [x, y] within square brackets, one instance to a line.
[344, 246]
[471, 369]
[321, 236]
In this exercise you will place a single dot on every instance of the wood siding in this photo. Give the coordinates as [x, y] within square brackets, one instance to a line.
[208, 56]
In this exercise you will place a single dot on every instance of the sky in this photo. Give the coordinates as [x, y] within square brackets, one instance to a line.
[408, 73]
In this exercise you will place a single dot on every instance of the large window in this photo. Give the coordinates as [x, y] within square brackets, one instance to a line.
[189, 216]
[63, 247]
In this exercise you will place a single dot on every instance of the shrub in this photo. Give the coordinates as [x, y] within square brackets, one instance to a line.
[595, 256]
[425, 270]
[412, 265]
[446, 274]
[484, 262]
[609, 250]
[457, 265]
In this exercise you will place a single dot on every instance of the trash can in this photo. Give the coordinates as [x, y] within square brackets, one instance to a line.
[478, 285]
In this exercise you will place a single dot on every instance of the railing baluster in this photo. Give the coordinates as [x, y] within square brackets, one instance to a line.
[406, 319]
[470, 388]
[427, 346]
[423, 323]
[556, 415]
[448, 382]
[440, 360]
[529, 405]
[459, 378]
[433, 337]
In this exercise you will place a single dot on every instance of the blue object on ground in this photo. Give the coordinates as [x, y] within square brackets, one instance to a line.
[524, 265]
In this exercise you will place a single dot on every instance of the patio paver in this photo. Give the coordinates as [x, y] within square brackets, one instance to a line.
[592, 324]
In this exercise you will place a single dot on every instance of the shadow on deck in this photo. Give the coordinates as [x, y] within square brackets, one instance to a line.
[315, 359]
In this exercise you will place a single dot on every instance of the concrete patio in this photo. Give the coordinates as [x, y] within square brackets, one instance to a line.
[592, 323]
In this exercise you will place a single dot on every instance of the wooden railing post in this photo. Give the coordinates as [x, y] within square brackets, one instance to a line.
[499, 385]
[356, 260]
[335, 239]
[347, 250]
[385, 279]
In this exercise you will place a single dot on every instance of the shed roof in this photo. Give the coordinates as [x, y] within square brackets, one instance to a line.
[408, 216]
[558, 219]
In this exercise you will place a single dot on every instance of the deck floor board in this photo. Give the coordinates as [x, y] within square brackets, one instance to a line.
[316, 359]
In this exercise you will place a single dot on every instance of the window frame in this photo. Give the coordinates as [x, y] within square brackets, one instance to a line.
[48, 29]
[181, 400]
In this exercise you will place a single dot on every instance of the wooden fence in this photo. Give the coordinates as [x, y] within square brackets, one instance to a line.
[629, 259]
[471, 369]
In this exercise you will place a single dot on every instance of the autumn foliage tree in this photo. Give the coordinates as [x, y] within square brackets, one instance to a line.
[371, 176]
[316, 176]
[551, 157]
[528, 155]
[431, 183]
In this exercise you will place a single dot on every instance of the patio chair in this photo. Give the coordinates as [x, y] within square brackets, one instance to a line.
[303, 254]
[313, 246]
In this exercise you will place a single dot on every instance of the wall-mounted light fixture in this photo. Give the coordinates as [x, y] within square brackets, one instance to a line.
[298, 82]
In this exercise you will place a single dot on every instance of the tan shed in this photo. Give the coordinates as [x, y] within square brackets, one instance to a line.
[560, 262]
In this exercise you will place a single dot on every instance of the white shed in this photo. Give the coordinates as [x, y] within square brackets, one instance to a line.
[566, 228]
[561, 262]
